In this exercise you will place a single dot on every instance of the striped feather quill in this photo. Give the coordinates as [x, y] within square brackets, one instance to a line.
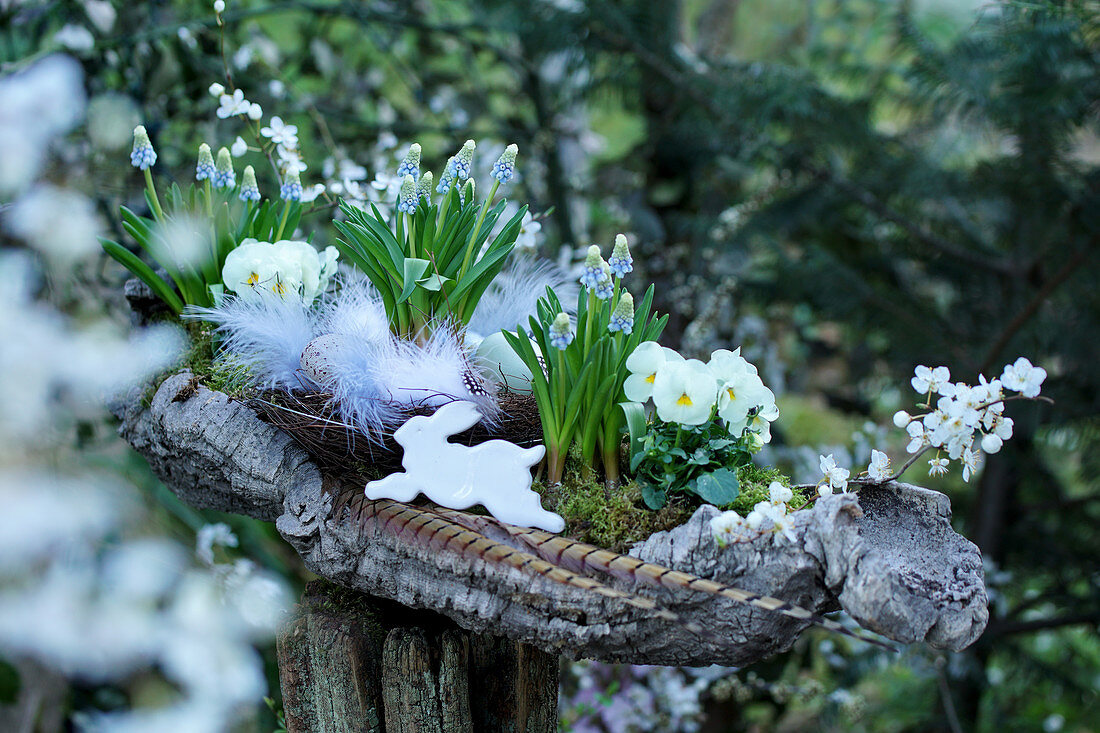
[561, 560]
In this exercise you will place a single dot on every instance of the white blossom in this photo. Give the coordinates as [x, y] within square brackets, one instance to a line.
[281, 133]
[233, 104]
[879, 468]
[937, 466]
[239, 147]
[835, 476]
[927, 380]
[1022, 377]
[972, 461]
[727, 527]
[779, 494]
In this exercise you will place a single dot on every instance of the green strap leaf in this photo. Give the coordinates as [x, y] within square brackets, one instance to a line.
[132, 263]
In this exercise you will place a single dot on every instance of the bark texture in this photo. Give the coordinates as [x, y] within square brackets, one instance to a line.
[888, 556]
[350, 664]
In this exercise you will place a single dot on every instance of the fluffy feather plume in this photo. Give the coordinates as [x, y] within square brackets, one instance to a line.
[266, 335]
[355, 311]
[513, 296]
[372, 379]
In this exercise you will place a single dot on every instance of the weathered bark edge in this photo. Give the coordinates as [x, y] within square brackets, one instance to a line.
[889, 557]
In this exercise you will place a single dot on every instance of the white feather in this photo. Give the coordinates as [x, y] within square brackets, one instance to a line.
[265, 334]
[512, 297]
[355, 311]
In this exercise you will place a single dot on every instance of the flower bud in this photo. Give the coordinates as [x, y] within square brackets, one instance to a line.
[142, 156]
[902, 418]
[216, 89]
[505, 167]
[410, 166]
[204, 168]
[249, 190]
[224, 177]
[991, 443]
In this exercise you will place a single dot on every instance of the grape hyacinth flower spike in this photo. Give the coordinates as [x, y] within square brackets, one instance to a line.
[249, 190]
[623, 317]
[620, 261]
[505, 167]
[224, 177]
[561, 331]
[410, 166]
[406, 199]
[291, 190]
[142, 157]
[204, 168]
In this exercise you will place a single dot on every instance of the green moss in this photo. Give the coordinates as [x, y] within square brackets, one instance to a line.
[755, 481]
[614, 519]
[618, 518]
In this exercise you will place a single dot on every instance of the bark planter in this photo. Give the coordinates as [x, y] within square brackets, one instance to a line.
[888, 556]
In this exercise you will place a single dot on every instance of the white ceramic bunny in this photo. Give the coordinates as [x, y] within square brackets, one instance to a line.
[495, 474]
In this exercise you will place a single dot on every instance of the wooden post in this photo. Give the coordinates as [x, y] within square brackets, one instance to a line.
[350, 663]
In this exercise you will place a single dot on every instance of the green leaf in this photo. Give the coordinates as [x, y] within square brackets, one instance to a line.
[414, 270]
[434, 282]
[719, 487]
[654, 496]
[636, 427]
[132, 263]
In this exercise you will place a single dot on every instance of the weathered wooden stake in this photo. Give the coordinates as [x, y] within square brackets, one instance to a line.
[352, 663]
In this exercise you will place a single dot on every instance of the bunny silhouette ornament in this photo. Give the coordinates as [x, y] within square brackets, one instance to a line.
[495, 474]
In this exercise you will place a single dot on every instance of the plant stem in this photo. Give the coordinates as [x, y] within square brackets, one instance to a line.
[473, 243]
[153, 195]
[282, 221]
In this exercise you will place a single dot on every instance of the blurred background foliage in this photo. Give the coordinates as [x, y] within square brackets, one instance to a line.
[846, 188]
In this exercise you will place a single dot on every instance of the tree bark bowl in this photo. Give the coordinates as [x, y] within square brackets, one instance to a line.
[888, 555]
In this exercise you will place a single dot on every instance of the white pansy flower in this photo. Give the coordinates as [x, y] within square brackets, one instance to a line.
[879, 468]
[1022, 377]
[927, 380]
[684, 392]
[286, 268]
[836, 476]
[643, 364]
